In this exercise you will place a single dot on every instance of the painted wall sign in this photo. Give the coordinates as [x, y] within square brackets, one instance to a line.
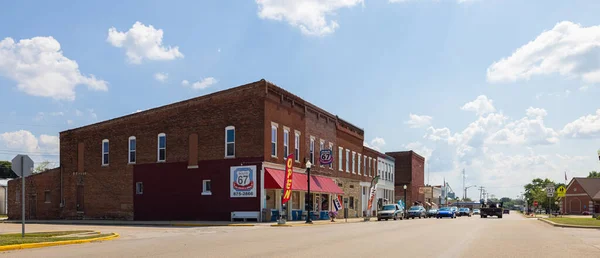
[243, 181]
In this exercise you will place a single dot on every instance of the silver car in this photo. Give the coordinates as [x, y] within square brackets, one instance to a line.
[390, 211]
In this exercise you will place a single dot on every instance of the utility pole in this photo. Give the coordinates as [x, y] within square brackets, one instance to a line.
[480, 192]
[465, 191]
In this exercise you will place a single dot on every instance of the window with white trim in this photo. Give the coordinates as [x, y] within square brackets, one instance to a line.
[365, 166]
[206, 187]
[139, 188]
[321, 147]
[105, 152]
[332, 154]
[230, 141]
[312, 150]
[297, 146]
[132, 148]
[340, 159]
[370, 167]
[162, 147]
[353, 162]
[359, 159]
[273, 140]
[348, 160]
[286, 142]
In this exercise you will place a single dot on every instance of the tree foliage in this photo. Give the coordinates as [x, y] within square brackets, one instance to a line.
[536, 191]
[594, 174]
[43, 166]
[6, 170]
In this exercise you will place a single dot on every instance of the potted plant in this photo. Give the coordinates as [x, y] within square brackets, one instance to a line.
[332, 215]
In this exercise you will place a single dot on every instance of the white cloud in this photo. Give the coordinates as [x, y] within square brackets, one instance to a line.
[219, 50]
[481, 105]
[312, 17]
[202, 84]
[377, 143]
[78, 112]
[420, 149]
[584, 127]
[143, 42]
[92, 114]
[69, 122]
[526, 131]
[40, 69]
[568, 49]
[536, 112]
[161, 77]
[417, 121]
[406, 1]
[25, 141]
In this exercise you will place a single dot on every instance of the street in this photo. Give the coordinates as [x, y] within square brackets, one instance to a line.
[512, 236]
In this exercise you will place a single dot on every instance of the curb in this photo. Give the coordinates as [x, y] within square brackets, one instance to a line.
[66, 242]
[316, 224]
[210, 225]
[132, 224]
[566, 225]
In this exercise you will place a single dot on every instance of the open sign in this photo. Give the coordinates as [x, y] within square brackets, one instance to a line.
[325, 157]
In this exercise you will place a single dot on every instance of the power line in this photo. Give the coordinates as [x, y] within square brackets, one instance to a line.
[28, 153]
[34, 125]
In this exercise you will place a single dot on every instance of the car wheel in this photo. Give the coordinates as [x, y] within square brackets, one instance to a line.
[386, 219]
[500, 216]
[378, 219]
[395, 217]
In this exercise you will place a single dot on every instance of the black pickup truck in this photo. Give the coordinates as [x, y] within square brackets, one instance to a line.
[491, 209]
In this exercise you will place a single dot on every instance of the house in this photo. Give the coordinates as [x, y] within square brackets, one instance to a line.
[583, 194]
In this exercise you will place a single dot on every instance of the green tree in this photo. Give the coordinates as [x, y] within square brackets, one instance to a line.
[594, 174]
[43, 166]
[467, 199]
[536, 191]
[6, 170]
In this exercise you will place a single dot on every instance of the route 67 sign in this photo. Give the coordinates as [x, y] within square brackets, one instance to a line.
[325, 157]
[243, 181]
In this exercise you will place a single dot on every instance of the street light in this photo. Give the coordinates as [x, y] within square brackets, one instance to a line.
[465, 197]
[405, 204]
[599, 154]
[308, 220]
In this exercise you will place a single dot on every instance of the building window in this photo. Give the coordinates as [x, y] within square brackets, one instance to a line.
[105, 152]
[347, 160]
[359, 159]
[132, 148]
[47, 198]
[312, 150]
[286, 142]
[353, 162]
[332, 154]
[340, 158]
[369, 167]
[321, 147]
[139, 188]
[273, 140]
[365, 166]
[206, 187]
[297, 147]
[162, 147]
[351, 202]
[229, 141]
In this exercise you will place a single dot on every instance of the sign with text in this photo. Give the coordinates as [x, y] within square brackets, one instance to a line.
[243, 181]
[289, 172]
[325, 157]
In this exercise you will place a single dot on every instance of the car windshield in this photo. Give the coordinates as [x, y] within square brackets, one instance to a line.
[432, 210]
[445, 209]
[464, 209]
[415, 208]
[389, 208]
[476, 210]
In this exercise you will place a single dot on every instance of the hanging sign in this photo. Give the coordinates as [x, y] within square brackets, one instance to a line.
[289, 172]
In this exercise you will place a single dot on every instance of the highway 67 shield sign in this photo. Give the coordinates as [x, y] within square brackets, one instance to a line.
[325, 157]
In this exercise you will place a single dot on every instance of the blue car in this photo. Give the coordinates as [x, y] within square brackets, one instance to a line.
[446, 212]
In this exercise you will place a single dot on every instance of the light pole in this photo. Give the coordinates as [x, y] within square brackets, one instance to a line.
[308, 220]
[466, 188]
[405, 204]
[599, 154]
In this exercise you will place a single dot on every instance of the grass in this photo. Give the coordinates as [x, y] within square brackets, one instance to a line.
[39, 237]
[3, 216]
[577, 221]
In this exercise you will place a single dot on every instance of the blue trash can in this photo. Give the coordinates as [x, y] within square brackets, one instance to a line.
[294, 215]
[324, 215]
[313, 215]
[274, 215]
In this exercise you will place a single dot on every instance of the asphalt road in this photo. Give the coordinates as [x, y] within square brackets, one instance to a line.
[512, 236]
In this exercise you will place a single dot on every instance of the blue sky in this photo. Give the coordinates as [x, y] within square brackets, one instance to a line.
[467, 70]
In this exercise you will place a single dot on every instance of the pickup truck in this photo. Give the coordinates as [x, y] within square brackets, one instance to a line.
[491, 209]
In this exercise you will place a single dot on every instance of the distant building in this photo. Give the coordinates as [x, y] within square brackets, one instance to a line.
[583, 194]
[410, 171]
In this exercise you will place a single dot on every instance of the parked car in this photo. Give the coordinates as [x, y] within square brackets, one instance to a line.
[476, 212]
[446, 212]
[583, 213]
[432, 213]
[390, 211]
[464, 212]
[455, 209]
[416, 212]
[507, 211]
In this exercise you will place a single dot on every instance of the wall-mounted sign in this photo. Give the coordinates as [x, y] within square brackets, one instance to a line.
[243, 181]
[325, 157]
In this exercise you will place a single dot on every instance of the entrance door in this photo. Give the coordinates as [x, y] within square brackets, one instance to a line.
[80, 198]
[32, 206]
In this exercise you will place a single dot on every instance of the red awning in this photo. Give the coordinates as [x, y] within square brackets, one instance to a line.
[274, 179]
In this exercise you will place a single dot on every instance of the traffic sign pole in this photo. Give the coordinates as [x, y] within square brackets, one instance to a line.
[22, 198]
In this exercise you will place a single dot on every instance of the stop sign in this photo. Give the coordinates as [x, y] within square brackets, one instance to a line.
[535, 203]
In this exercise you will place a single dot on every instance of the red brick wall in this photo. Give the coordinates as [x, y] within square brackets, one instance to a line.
[575, 204]
[107, 189]
[178, 195]
[36, 187]
[350, 138]
[410, 170]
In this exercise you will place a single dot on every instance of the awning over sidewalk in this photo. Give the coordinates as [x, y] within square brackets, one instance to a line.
[274, 179]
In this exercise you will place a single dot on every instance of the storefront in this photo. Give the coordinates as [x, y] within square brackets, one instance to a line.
[322, 189]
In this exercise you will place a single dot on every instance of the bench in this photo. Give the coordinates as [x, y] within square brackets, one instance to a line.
[244, 215]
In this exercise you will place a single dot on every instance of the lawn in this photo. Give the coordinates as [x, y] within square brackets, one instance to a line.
[577, 221]
[38, 237]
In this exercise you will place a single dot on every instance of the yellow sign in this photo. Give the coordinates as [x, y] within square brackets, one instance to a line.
[561, 191]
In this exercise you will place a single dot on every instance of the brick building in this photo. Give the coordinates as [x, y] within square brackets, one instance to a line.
[202, 159]
[583, 194]
[409, 171]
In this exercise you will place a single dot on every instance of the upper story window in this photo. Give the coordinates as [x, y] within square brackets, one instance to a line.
[312, 150]
[297, 146]
[105, 152]
[286, 142]
[370, 167]
[273, 140]
[230, 141]
[365, 166]
[332, 154]
[358, 166]
[132, 148]
[353, 162]
[162, 147]
[321, 147]
[348, 160]
[340, 158]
